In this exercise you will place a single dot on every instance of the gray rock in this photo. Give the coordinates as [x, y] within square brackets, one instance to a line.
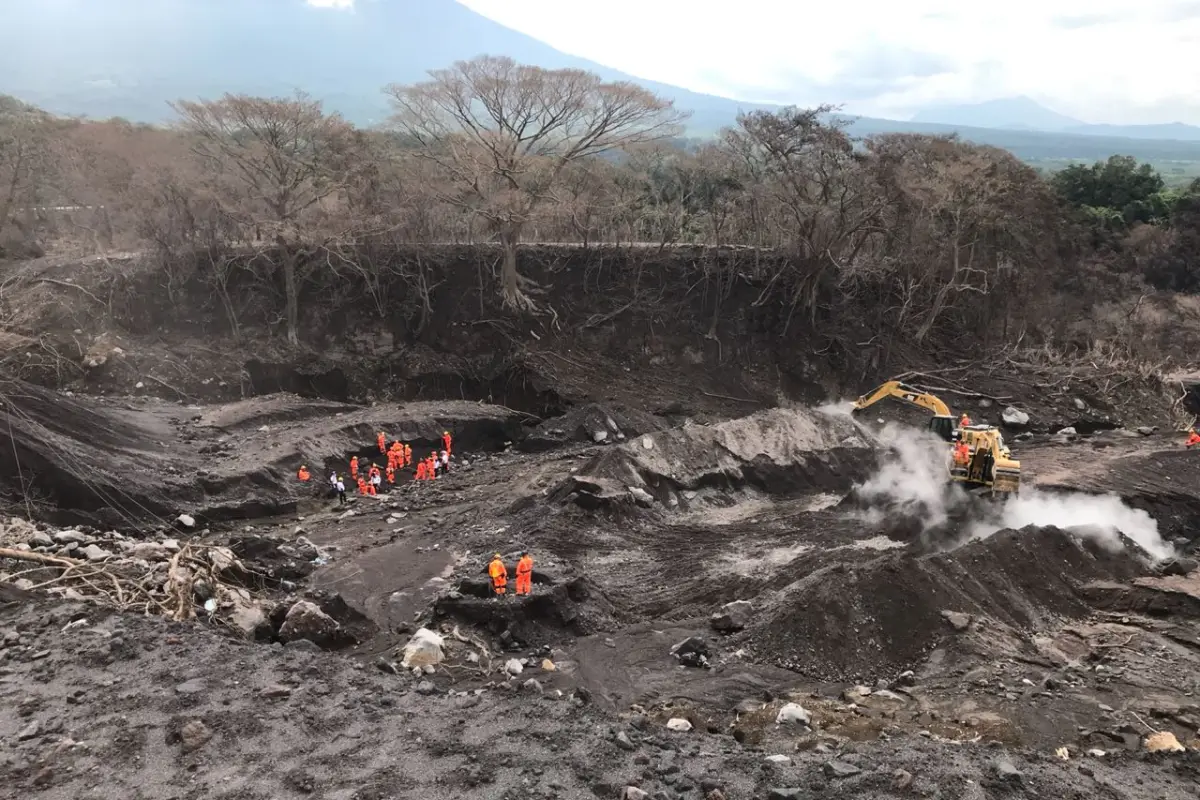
[1068, 431]
[1179, 565]
[30, 731]
[839, 769]
[41, 539]
[69, 536]
[532, 685]
[1005, 771]
[793, 713]
[1146, 430]
[186, 520]
[1014, 417]
[787, 794]
[732, 616]
[901, 779]
[907, 678]
[426, 687]
[149, 551]
[275, 690]
[194, 686]
[641, 496]
[887, 694]
[599, 436]
[514, 667]
[958, 620]
[171, 544]
[779, 758]
[306, 620]
[634, 793]
[94, 552]
[1080, 405]
[623, 742]
[194, 735]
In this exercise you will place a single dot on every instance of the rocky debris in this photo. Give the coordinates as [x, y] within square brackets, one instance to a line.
[856, 694]
[186, 520]
[732, 616]
[306, 620]
[679, 725]
[1013, 417]
[1005, 771]
[30, 731]
[548, 665]
[1146, 430]
[276, 691]
[788, 794]
[634, 793]
[426, 687]
[901, 780]
[1163, 742]
[623, 741]
[424, 649]
[957, 620]
[692, 652]
[1068, 431]
[1177, 565]
[641, 496]
[793, 713]
[533, 685]
[96, 553]
[193, 735]
[779, 758]
[837, 769]
[514, 667]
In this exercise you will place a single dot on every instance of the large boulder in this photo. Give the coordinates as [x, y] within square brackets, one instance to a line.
[424, 649]
[1013, 417]
[732, 616]
[248, 617]
[306, 620]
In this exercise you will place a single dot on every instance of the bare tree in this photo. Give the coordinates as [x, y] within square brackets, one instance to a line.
[25, 157]
[504, 132]
[284, 155]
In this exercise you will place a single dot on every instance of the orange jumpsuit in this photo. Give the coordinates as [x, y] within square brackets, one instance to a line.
[408, 455]
[354, 467]
[391, 474]
[499, 575]
[964, 421]
[303, 474]
[381, 440]
[1193, 439]
[362, 486]
[446, 442]
[524, 575]
[420, 470]
[962, 454]
[431, 467]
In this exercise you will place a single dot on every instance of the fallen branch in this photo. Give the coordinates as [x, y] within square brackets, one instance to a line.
[734, 399]
[161, 382]
[70, 285]
[25, 555]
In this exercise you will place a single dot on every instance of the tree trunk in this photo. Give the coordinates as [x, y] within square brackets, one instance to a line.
[293, 301]
[511, 280]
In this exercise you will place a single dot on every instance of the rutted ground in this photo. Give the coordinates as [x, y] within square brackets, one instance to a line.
[947, 674]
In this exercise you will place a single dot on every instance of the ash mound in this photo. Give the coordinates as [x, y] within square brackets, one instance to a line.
[781, 451]
[591, 423]
[850, 622]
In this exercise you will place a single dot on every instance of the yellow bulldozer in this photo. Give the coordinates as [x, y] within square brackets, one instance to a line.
[988, 468]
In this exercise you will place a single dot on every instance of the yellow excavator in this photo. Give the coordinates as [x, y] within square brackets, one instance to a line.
[989, 467]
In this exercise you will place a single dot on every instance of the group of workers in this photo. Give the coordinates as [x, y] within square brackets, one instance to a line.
[498, 572]
[369, 478]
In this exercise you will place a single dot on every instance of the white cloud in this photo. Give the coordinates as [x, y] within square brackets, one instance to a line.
[331, 3]
[1101, 60]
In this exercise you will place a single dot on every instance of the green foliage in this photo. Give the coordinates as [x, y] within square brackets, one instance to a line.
[1120, 184]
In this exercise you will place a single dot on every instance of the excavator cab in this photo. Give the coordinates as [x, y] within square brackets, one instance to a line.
[943, 428]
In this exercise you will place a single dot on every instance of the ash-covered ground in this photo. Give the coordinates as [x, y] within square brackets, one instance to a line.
[783, 605]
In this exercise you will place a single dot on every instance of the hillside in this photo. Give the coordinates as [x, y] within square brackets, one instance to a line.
[129, 58]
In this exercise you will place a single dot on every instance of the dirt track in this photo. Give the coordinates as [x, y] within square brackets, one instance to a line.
[1018, 644]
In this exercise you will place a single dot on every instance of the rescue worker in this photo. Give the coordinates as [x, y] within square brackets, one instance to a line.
[446, 461]
[354, 468]
[432, 469]
[499, 575]
[303, 474]
[421, 471]
[339, 486]
[376, 482]
[525, 575]
[1193, 438]
[446, 439]
[964, 421]
[408, 455]
[362, 485]
[391, 474]
[962, 454]
[381, 440]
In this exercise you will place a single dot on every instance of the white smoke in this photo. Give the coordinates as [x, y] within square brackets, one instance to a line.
[911, 483]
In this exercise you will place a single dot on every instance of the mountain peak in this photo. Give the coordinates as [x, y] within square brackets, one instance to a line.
[1020, 111]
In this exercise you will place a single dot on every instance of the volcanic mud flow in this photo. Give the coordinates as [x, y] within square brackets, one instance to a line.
[724, 610]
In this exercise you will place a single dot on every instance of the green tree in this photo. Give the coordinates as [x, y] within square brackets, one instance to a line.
[1119, 184]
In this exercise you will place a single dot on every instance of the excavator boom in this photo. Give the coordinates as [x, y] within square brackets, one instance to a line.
[902, 391]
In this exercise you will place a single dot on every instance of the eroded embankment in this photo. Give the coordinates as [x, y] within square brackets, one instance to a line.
[872, 620]
[783, 451]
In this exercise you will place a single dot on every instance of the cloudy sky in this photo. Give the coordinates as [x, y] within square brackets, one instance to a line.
[1115, 61]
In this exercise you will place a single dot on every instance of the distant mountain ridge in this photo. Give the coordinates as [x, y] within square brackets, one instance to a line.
[1024, 113]
[129, 58]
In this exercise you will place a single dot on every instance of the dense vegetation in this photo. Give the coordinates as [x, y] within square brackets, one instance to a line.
[933, 236]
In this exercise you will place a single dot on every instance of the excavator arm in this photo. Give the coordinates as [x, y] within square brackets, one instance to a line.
[902, 391]
[942, 423]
